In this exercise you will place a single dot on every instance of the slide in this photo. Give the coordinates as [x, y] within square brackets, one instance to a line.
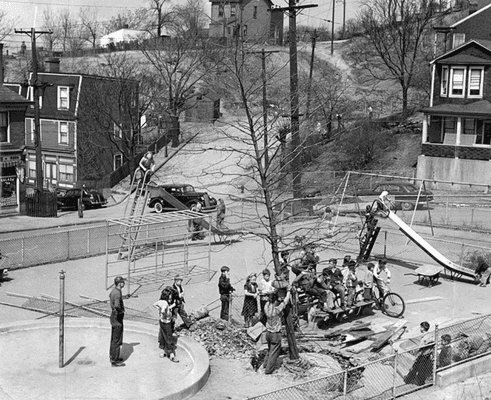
[455, 269]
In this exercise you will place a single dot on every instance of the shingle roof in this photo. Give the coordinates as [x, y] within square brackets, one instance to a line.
[478, 108]
[463, 59]
[8, 96]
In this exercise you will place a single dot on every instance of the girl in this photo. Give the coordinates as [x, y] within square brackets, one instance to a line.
[250, 303]
[166, 338]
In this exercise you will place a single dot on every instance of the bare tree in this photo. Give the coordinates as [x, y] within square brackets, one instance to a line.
[6, 24]
[161, 15]
[50, 22]
[136, 19]
[183, 68]
[90, 25]
[391, 48]
[189, 18]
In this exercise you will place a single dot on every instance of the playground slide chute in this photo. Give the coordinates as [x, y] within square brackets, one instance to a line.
[455, 269]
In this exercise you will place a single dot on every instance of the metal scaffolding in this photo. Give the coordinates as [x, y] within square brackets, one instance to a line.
[150, 249]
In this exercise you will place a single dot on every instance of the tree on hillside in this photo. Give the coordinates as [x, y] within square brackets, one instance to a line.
[182, 66]
[161, 15]
[189, 18]
[50, 40]
[6, 24]
[90, 25]
[392, 45]
[136, 19]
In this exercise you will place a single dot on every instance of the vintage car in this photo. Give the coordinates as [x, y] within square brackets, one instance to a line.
[183, 192]
[91, 198]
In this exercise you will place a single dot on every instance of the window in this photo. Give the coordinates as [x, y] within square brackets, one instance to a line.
[450, 125]
[4, 127]
[254, 14]
[469, 127]
[63, 133]
[32, 168]
[444, 85]
[475, 82]
[220, 10]
[233, 10]
[118, 132]
[118, 161]
[63, 98]
[66, 173]
[457, 79]
[245, 30]
[30, 96]
[458, 39]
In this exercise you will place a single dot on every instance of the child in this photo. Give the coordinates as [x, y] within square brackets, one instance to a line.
[249, 308]
[445, 356]
[351, 281]
[226, 290]
[368, 282]
[166, 334]
[265, 287]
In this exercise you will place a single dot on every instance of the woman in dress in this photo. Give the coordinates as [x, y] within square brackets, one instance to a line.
[249, 309]
[166, 335]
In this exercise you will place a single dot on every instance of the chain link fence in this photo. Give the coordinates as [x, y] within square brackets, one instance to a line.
[411, 368]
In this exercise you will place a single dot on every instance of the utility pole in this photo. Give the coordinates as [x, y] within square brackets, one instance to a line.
[332, 27]
[344, 19]
[263, 54]
[309, 88]
[294, 111]
[35, 87]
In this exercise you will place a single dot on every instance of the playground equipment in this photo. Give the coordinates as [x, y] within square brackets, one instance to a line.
[380, 210]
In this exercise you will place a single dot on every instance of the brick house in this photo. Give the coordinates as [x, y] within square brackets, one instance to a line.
[82, 121]
[12, 116]
[456, 142]
[249, 20]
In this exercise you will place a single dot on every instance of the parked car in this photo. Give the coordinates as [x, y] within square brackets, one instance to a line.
[183, 192]
[403, 194]
[91, 198]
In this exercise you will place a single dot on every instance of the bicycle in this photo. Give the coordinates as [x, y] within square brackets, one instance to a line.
[391, 304]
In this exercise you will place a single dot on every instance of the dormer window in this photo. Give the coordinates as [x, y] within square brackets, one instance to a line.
[475, 82]
[457, 80]
[458, 39]
[4, 127]
[63, 98]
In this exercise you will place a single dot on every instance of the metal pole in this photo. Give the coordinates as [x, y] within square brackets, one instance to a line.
[61, 363]
[435, 354]
[394, 375]
[332, 27]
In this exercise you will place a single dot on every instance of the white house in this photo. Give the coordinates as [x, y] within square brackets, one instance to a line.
[123, 35]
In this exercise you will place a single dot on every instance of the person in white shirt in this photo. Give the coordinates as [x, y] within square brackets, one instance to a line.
[166, 338]
[382, 285]
[265, 287]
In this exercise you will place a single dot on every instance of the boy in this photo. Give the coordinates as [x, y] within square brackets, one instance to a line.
[225, 289]
[351, 281]
[265, 287]
[445, 356]
[368, 282]
[178, 299]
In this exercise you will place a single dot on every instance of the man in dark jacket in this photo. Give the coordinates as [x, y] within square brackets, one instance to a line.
[336, 280]
[225, 289]
[116, 319]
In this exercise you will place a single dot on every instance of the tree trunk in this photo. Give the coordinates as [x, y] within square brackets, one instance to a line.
[174, 130]
[405, 90]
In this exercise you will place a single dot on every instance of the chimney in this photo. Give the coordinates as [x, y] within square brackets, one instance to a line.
[2, 68]
[52, 64]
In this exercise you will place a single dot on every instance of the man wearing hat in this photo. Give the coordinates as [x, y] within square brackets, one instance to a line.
[178, 299]
[225, 289]
[116, 319]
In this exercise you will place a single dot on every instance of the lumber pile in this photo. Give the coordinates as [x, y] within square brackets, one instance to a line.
[221, 339]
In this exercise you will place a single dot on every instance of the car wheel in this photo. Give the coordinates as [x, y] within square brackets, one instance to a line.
[191, 204]
[158, 207]
[407, 206]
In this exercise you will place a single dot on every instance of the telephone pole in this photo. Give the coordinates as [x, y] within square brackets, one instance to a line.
[332, 27]
[294, 110]
[311, 71]
[32, 33]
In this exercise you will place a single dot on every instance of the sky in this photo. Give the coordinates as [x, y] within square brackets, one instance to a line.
[28, 13]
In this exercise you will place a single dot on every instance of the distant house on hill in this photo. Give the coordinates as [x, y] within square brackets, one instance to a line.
[203, 108]
[124, 35]
[456, 137]
[248, 20]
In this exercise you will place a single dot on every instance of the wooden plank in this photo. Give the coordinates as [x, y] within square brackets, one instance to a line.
[385, 337]
[423, 300]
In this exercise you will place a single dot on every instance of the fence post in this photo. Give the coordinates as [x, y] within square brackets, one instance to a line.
[435, 355]
[462, 254]
[394, 375]
[446, 211]
[68, 245]
[23, 248]
[230, 303]
[345, 383]
[88, 241]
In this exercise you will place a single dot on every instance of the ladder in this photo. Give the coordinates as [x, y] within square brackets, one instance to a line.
[137, 201]
[368, 240]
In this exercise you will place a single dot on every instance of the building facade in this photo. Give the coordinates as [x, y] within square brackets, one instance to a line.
[248, 20]
[12, 173]
[456, 139]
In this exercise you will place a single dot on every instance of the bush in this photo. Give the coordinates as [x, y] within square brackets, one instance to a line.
[472, 258]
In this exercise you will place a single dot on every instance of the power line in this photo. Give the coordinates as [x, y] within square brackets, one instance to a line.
[30, 3]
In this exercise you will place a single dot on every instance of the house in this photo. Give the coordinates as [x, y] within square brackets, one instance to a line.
[12, 116]
[456, 138]
[249, 20]
[83, 120]
[474, 25]
[124, 35]
[203, 107]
